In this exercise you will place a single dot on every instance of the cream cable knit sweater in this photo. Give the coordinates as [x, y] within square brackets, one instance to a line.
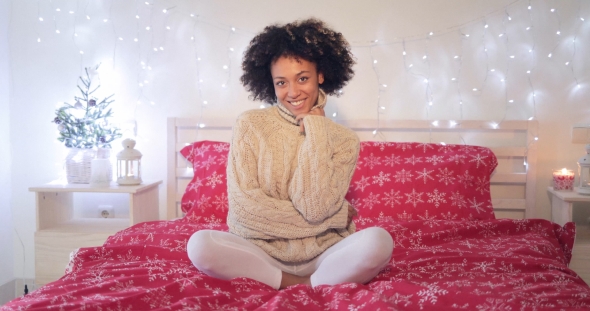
[286, 190]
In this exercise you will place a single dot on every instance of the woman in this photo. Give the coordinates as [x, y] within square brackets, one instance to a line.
[289, 168]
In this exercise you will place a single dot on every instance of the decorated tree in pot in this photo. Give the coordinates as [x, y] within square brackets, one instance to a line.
[86, 129]
[85, 124]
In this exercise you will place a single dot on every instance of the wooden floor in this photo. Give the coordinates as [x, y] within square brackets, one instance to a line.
[581, 254]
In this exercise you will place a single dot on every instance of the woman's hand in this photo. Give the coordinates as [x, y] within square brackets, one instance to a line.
[313, 112]
[351, 213]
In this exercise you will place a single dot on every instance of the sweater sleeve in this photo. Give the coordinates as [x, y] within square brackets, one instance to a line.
[326, 163]
[252, 213]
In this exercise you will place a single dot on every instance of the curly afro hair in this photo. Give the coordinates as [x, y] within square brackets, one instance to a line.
[310, 40]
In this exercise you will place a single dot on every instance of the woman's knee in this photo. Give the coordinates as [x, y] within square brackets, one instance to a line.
[200, 248]
[380, 244]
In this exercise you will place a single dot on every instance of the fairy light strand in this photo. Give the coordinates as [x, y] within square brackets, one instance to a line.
[487, 59]
[116, 37]
[57, 31]
[404, 55]
[139, 65]
[428, 90]
[420, 76]
[166, 27]
[75, 34]
[572, 60]
[40, 20]
[533, 64]
[229, 50]
[556, 13]
[558, 33]
[459, 59]
[373, 63]
[426, 58]
[201, 100]
[509, 57]
[425, 75]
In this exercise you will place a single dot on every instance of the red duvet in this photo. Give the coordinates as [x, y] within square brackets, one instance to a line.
[436, 265]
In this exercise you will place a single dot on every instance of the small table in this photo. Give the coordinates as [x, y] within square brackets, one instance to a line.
[59, 231]
[562, 202]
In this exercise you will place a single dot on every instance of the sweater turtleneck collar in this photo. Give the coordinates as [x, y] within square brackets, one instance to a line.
[289, 117]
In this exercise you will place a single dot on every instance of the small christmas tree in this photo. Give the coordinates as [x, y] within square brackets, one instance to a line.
[86, 123]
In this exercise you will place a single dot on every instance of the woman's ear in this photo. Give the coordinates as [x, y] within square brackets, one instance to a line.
[320, 78]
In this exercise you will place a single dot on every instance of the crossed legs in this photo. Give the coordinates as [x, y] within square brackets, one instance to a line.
[357, 258]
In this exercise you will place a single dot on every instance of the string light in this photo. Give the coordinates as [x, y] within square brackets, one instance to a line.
[574, 41]
[487, 61]
[508, 65]
[459, 61]
[532, 55]
[379, 90]
[422, 70]
[229, 57]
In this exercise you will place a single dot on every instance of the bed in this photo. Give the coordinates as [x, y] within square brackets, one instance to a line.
[457, 198]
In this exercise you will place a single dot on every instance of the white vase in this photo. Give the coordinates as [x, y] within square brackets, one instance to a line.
[105, 153]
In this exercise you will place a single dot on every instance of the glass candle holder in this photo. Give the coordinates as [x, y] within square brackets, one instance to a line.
[563, 179]
[100, 173]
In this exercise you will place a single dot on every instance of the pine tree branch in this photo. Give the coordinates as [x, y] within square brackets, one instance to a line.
[106, 99]
[94, 90]
[83, 81]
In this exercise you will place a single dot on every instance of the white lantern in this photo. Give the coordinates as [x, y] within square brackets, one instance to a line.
[129, 164]
[584, 173]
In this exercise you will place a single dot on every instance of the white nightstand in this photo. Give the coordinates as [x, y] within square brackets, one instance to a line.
[59, 231]
[561, 212]
[562, 202]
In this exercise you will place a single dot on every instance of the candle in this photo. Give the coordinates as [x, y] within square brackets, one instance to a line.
[563, 179]
[100, 172]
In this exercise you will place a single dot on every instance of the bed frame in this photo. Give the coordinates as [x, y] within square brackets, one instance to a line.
[513, 142]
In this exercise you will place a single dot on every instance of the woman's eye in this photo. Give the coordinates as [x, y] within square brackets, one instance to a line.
[303, 79]
[280, 83]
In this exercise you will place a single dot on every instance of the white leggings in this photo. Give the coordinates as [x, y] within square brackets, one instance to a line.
[357, 258]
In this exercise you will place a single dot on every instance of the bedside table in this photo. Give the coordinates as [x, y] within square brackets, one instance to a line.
[562, 202]
[561, 212]
[59, 232]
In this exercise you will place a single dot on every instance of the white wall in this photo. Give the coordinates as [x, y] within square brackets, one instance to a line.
[46, 72]
[6, 221]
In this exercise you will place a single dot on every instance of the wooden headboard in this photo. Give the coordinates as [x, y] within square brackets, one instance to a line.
[513, 142]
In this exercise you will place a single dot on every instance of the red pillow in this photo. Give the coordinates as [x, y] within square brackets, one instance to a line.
[403, 181]
[205, 197]
[410, 181]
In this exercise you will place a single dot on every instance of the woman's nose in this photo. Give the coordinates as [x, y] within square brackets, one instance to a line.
[293, 90]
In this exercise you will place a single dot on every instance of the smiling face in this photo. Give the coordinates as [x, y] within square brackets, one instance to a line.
[296, 83]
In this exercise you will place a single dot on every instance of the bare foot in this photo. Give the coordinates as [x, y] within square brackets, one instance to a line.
[291, 279]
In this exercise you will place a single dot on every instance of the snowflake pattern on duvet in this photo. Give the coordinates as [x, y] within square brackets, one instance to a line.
[434, 201]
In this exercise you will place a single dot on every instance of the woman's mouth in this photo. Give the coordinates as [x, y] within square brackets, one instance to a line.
[297, 103]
